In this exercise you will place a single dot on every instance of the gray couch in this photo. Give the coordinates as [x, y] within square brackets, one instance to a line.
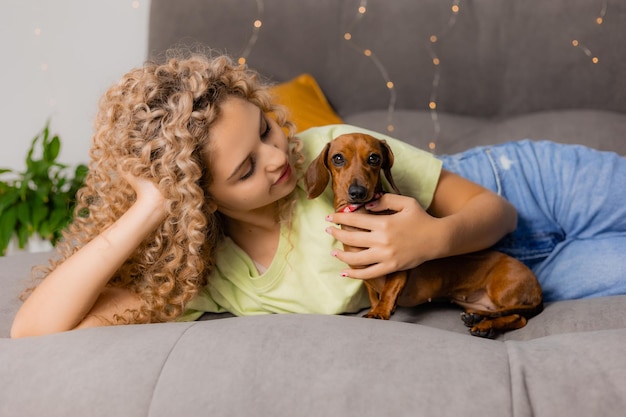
[508, 70]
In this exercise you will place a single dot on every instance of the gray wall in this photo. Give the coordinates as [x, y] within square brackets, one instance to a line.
[58, 57]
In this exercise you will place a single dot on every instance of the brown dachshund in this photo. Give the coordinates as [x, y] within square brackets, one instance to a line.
[497, 292]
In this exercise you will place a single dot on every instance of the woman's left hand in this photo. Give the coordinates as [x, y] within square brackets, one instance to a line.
[394, 242]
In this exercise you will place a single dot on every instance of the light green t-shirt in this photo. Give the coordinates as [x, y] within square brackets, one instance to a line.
[304, 277]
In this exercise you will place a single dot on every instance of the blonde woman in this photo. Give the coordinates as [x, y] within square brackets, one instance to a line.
[194, 203]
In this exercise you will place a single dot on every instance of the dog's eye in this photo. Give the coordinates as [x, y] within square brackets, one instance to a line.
[338, 160]
[374, 159]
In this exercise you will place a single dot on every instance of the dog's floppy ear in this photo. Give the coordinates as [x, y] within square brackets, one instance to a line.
[317, 174]
[387, 164]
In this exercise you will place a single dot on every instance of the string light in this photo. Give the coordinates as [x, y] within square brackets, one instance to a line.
[431, 46]
[256, 28]
[578, 44]
[433, 39]
[361, 11]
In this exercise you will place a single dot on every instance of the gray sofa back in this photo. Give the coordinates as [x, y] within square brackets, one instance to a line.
[497, 58]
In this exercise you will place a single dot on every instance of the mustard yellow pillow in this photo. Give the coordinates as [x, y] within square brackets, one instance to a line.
[308, 107]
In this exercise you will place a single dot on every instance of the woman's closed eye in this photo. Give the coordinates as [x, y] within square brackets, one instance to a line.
[266, 128]
[250, 171]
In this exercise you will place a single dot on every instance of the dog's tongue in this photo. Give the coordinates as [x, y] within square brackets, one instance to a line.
[350, 208]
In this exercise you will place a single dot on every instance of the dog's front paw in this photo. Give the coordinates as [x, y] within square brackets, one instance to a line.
[471, 319]
[379, 315]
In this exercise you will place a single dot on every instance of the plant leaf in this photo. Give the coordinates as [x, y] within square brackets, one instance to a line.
[58, 219]
[23, 213]
[31, 150]
[8, 221]
[40, 212]
[44, 229]
[23, 234]
[8, 197]
[51, 150]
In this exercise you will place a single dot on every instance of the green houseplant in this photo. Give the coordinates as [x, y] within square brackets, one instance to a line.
[41, 199]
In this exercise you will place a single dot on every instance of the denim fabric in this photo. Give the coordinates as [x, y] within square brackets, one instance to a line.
[571, 204]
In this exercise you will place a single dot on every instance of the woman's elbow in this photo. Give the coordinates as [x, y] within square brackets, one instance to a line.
[17, 330]
[510, 217]
[22, 327]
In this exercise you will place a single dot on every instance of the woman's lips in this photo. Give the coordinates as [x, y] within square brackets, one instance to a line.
[284, 176]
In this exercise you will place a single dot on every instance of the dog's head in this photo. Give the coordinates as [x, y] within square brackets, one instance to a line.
[354, 162]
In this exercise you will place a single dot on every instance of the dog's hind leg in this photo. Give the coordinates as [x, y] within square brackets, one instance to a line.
[490, 327]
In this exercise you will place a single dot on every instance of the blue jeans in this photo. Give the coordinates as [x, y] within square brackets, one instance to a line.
[571, 204]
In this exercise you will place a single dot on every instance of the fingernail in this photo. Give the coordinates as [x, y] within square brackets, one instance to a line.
[329, 231]
[371, 204]
[333, 253]
[329, 218]
[344, 275]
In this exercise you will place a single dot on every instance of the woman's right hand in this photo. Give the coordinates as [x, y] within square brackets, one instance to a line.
[146, 190]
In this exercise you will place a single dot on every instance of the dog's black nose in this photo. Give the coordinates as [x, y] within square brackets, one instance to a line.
[357, 193]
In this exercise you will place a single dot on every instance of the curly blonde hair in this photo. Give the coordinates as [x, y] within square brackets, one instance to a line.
[154, 123]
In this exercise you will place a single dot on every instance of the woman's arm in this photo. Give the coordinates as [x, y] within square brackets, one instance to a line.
[74, 295]
[463, 217]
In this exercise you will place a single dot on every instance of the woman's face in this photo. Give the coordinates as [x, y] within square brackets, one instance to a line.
[249, 160]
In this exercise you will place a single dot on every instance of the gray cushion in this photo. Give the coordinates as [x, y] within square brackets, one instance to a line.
[305, 365]
[604, 130]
